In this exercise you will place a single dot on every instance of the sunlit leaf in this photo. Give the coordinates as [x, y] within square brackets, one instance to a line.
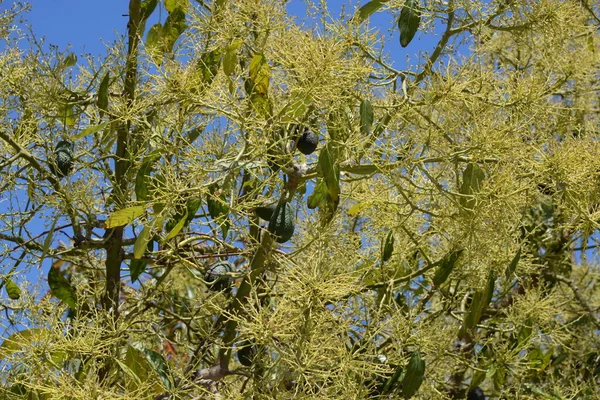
[18, 340]
[90, 130]
[70, 60]
[143, 174]
[328, 167]
[260, 74]
[230, 59]
[388, 247]
[472, 179]
[124, 216]
[154, 43]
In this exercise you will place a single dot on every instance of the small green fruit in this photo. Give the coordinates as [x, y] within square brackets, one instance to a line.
[308, 142]
[265, 212]
[216, 275]
[282, 222]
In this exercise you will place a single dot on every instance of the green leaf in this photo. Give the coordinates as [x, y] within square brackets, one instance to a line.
[172, 5]
[388, 247]
[157, 362]
[154, 43]
[137, 368]
[296, 109]
[262, 105]
[18, 340]
[61, 288]
[329, 168]
[48, 241]
[102, 101]
[366, 117]
[260, 74]
[66, 113]
[230, 59]
[510, 270]
[124, 216]
[90, 130]
[12, 289]
[477, 379]
[389, 384]
[177, 228]
[319, 195]
[147, 8]
[209, 65]
[446, 266]
[70, 60]
[368, 9]
[173, 28]
[408, 22]
[415, 372]
[358, 208]
[139, 247]
[472, 178]
[193, 205]
[137, 268]
[480, 302]
[143, 174]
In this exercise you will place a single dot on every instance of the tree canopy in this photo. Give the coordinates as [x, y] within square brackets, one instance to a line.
[234, 202]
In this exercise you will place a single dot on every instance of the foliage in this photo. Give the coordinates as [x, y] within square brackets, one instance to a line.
[444, 231]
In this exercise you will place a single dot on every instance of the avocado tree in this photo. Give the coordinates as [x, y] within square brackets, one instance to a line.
[231, 203]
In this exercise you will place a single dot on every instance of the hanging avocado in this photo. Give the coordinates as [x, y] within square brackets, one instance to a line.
[63, 159]
[265, 212]
[308, 142]
[246, 353]
[216, 275]
[281, 223]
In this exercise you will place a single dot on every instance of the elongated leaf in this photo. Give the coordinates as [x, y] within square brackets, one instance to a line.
[61, 288]
[328, 167]
[408, 22]
[147, 8]
[480, 302]
[137, 367]
[124, 216]
[90, 130]
[388, 247]
[368, 9]
[472, 179]
[18, 340]
[154, 43]
[178, 227]
[48, 241]
[143, 174]
[230, 59]
[137, 268]
[319, 195]
[173, 28]
[102, 101]
[139, 247]
[391, 382]
[366, 117]
[510, 270]
[157, 362]
[415, 373]
[260, 74]
[446, 267]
